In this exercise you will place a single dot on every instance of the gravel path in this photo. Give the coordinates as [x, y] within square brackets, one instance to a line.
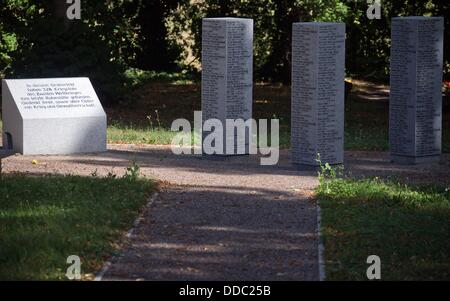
[222, 219]
[222, 233]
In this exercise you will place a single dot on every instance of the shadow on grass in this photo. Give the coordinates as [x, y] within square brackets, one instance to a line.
[45, 219]
[407, 227]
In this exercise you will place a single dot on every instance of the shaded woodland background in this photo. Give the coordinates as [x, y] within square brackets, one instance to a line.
[117, 38]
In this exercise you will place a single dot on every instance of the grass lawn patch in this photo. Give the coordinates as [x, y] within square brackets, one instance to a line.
[161, 136]
[139, 135]
[43, 220]
[407, 227]
[366, 121]
[158, 98]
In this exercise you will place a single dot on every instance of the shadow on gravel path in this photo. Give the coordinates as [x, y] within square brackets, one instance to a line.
[223, 219]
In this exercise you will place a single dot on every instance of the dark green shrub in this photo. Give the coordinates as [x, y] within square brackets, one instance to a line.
[58, 50]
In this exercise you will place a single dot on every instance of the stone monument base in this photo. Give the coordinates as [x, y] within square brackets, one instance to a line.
[410, 160]
[311, 167]
[220, 157]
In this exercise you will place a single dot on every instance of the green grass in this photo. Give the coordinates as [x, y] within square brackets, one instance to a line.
[136, 135]
[366, 125]
[356, 138]
[407, 227]
[176, 95]
[361, 138]
[43, 220]
[159, 136]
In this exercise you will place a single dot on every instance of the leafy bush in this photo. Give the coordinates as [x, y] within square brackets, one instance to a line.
[165, 35]
[8, 44]
[42, 43]
[68, 52]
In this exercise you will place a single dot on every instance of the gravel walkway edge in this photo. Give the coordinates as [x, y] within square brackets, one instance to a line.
[107, 265]
[321, 247]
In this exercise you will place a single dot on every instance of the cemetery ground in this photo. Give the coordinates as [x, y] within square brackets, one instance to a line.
[400, 213]
[43, 219]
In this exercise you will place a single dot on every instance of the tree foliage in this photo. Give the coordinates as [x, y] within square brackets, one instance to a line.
[43, 43]
[272, 27]
[165, 35]
[368, 41]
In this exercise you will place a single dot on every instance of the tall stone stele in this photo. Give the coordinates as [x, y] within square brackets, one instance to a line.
[317, 108]
[227, 76]
[415, 108]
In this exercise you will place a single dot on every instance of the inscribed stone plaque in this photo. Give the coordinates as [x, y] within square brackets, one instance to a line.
[53, 116]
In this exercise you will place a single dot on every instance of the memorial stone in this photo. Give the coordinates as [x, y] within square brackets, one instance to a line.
[415, 107]
[227, 68]
[317, 106]
[52, 116]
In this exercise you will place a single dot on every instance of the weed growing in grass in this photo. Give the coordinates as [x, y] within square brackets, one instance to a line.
[327, 173]
[94, 174]
[150, 121]
[158, 119]
[133, 171]
[111, 175]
